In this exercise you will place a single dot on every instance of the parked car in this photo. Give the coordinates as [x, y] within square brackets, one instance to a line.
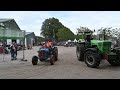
[69, 44]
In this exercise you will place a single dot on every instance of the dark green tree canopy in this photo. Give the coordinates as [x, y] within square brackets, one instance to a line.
[53, 28]
[50, 27]
[65, 34]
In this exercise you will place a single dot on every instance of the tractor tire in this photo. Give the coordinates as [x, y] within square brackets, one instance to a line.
[52, 60]
[56, 54]
[92, 59]
[34, 60]
[114, 62]
[79, 49]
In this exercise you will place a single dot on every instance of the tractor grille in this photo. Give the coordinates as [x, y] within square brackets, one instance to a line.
[100, 44]
[106, 47]
[107, 44]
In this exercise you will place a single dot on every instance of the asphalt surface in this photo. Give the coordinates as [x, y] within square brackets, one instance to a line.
[67, 67]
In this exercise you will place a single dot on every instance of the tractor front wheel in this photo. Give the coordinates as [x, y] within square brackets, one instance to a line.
[52, 60]
[79, 52]
[56, 54]
[114, 60]
[92, 59]
[34, 60]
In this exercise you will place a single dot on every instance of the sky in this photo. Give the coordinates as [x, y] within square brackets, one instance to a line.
[31, 21]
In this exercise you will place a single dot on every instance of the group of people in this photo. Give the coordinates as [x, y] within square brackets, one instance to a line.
[13, 49]
[10, 49]
[47, 44]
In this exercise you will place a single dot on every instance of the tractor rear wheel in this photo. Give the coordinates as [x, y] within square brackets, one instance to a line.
[92, 59]
[52, 60]
[114, 62]
[34, 60]
[79, 49]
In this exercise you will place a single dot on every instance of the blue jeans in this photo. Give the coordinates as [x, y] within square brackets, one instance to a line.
[13, 55]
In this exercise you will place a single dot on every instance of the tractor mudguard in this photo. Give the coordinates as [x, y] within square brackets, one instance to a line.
[91, 49]
[81, 43]
[36, 57]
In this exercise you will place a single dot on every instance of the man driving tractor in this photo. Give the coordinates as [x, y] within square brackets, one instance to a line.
[47, 52]
[47, 44]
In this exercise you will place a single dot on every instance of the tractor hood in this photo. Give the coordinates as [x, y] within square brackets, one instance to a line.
[95, 42]
[103, 45]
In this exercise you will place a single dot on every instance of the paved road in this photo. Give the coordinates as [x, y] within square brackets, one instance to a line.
[67, 67]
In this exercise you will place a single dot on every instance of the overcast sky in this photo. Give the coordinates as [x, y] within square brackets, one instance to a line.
[31, 21]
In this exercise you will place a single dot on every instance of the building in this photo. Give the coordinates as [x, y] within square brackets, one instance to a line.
[38, 40]
[29, 39]
[10, 24]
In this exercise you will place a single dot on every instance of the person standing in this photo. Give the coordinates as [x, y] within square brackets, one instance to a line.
[15, 45]
[13, 51]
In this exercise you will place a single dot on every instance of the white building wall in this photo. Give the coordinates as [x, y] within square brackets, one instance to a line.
[18, 41]
[9, 41]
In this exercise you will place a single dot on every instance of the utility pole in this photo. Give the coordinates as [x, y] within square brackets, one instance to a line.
[54, 36]
[23, 59]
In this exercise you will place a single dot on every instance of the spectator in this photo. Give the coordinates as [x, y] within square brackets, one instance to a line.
[16, 48]
[13, 51]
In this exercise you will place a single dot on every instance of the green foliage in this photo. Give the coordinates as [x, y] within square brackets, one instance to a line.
[81, 32]
[65, 34]
[78, 37]
[83, 29]
[109, 32]
[50, 27]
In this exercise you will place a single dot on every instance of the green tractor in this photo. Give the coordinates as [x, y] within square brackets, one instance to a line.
[93, 51]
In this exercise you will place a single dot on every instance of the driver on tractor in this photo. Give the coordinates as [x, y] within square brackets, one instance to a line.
[48, 45]
[88, 39]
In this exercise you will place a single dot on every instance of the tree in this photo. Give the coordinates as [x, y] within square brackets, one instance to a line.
[65, 34]
[83, 29]
[109, 32]
[50, 27]
[80, 32]
[78, 36]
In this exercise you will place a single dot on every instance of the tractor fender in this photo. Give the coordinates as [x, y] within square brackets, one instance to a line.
[91, 49]
[36, 57]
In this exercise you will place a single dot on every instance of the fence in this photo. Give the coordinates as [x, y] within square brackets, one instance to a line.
[11, 34]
